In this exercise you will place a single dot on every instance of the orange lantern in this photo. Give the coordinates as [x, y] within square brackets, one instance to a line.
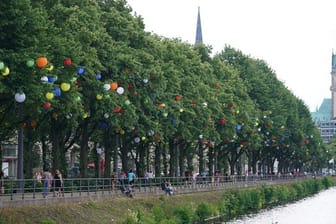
[33, 123]
[41, 62]
[114, 85]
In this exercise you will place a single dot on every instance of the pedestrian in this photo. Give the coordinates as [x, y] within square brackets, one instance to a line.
[2, 186]
[47, 179]
[58, 183]
[122, 177]
[131, 178]
[147, 178]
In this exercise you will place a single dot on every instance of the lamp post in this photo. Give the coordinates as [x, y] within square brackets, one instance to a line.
[20, 98]
[99, 151]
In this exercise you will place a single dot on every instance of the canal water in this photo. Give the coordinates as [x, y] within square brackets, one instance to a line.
[318, 209]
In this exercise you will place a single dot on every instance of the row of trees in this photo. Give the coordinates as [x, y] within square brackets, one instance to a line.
[91, 76]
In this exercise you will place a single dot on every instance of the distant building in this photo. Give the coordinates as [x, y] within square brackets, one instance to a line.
[199, 36]
[325, 116]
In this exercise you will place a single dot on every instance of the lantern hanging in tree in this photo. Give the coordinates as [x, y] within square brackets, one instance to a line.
[65, 86]
[120, 90]
[41, 61]
[98, 76]
[222, 121]
[30, 63]
[57, 91]
[2, 65]
[107, 86]
[44, 79]
[67, 62]
[99, 97]
[178, 98]
[20, 97]
[49, 95]
[47, 106]
[114, 85]
[80, 70]
[5, 71]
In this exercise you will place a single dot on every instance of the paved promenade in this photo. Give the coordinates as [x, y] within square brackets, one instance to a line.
[71, 196]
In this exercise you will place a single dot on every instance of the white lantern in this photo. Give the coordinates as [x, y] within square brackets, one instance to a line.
[120, 90]
[107, 86]
[20, 97]
[106, 115]
[44, 79]
[137, 139]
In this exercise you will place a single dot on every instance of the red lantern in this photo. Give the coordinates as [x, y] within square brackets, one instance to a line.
[222, 121]
[67, 62]
[116, 109]
[178, 98]
[47, 106]
[130, 86]
[193, 102]
[231, 107]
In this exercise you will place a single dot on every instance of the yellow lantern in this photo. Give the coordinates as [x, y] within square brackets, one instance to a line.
[49, 95]
[5, 72]
[65, 86]
[99, 96]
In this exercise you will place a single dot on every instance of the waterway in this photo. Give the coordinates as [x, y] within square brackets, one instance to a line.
[318, 209]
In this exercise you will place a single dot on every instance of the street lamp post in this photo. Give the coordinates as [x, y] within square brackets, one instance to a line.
[99, 151]
[20, 98]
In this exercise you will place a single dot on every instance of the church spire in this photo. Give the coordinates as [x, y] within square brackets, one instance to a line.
[199, 38]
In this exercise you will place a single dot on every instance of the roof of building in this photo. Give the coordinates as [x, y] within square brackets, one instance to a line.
[323, 113]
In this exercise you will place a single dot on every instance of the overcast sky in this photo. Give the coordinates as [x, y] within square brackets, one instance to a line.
[296, 38]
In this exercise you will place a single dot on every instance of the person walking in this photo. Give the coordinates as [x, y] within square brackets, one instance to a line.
[47, 179]
[131, 178]
[58, 183]
[2, 187]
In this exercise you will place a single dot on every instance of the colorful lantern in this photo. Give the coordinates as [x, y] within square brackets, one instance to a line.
[5, 71]
[41, 62]
[80, 70]
[49, 95]
[2, 65]
[120, 90]
[127, 102]
[51, 79]
[67, 62]
[57, 91]
[33, 123]
[136, 139]
[98, 76]
[178, 98]
[65, 87]
[222, 121]
[47, 106]
[44, 79]
[20, 97]
[99, 97]
[114, 85]
[30, 63]
[107, 86]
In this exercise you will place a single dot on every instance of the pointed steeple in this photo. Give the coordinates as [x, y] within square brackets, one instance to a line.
[199, 38]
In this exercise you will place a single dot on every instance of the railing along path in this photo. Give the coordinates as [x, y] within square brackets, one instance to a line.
[31, 191]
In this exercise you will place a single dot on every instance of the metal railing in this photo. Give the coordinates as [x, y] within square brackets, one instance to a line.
[32, 191]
